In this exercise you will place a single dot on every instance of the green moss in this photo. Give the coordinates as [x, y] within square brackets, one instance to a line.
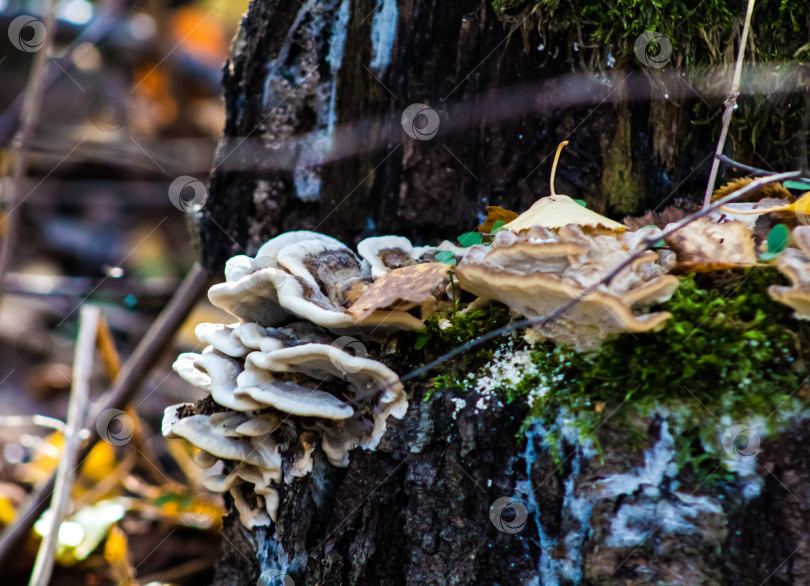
[621, 184]
[764, 126]
[445, 331]
[728, 350]
[701, 35]
[716, 341]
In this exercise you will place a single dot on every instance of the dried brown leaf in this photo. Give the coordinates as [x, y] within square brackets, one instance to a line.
[496, 214]
[402, 289]
[705, 246]
[771, 190]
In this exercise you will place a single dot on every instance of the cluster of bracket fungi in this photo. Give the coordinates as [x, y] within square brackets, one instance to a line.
[287, 376]
[292, 373]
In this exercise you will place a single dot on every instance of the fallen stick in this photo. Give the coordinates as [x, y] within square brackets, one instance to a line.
[66, 471]
[30, 110]
[134, 371]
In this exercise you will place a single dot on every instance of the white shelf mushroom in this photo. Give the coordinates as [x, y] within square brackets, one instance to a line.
[281, 390]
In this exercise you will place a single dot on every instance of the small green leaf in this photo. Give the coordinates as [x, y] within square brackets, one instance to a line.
[421, 340]
[447, 257]
[581, 202]
[469, 238]
[778, 239]
[165, 498]
[496, 227]
[769, 255]
[797, 185]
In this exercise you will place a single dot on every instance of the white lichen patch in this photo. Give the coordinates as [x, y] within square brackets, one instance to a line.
[383, 34]
[459, 405]
[510, 366]
[645, 497]
[298, 81]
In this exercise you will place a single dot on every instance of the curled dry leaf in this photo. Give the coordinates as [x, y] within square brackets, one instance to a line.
[771, 190]
[705, 246]
[496, 214]
[402, 289]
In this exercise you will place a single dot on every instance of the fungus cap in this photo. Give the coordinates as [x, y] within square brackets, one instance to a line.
[794, 263]
[385, 253]
[223, 372]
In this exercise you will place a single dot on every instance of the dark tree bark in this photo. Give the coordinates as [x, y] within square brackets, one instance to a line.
[495, 143]
[416, 510]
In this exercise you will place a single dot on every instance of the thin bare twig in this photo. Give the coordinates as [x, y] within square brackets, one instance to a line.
[29, 115]
[134, 371]
[731, 101]
[803, 134]
[66, 471]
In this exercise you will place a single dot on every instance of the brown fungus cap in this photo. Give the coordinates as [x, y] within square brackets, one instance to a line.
[385, 253]
[270, 296]
[534, 279]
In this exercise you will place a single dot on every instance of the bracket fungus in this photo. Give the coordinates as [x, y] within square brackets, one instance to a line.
[304, 275]
[280, 384]
[273, 406]
[794, 263]
[537, 273]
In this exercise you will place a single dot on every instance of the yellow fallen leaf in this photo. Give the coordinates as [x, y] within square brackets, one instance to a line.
[106, 347]
[556, 211]
[198, 510]
[7, 512]
[100, 462]
[800, 207]
[99, 465]
[44, 459]
[116, 552]
[83, 532]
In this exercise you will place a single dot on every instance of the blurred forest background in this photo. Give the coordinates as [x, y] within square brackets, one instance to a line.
[133, 100]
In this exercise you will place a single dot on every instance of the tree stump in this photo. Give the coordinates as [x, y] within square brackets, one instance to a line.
[315, 94]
